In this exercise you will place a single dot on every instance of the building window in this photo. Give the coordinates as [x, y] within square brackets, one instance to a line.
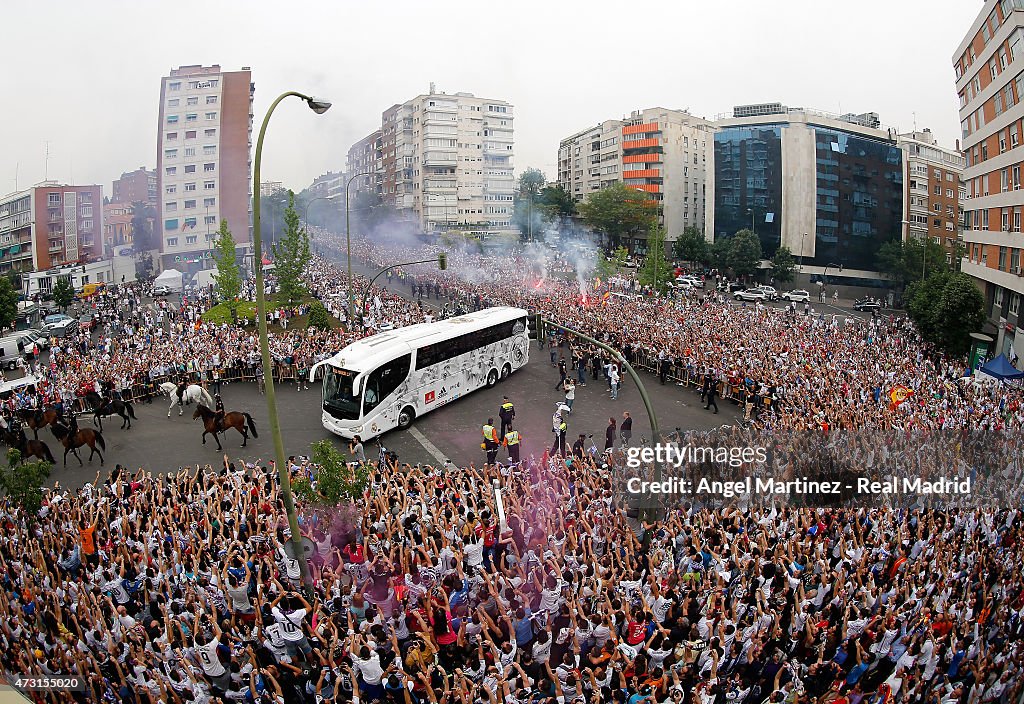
[997, 298]
[191, 117]
[171, 189]
[172, 241]
[209, 202]
[190, 151]
[190, 239]
[192, 100]
[1014, 303]
[171, 136]
[171, 206]
[209, 150]
[211, 116]
[190, 168]
[190, 134]
[1002, 258]
[210, 219]
[190, 204]
[87, 226]
[172, 119]
[171, 170]
[209, 167]
[173, 103]
[176, 85]
[211, 100]
[212, 132]
[171, 224]
[190, 222]
[190, 186]
[53, 199]
[170, 153]
[209, 185]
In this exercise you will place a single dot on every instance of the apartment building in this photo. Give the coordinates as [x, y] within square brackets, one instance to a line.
[828, 187]
[203, 163]
[933, 179]
[442, 160]
[989, 70]
[659, 151]
[328, 185]
[139, 186]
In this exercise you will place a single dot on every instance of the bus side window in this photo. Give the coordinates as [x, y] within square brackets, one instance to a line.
[384, 380]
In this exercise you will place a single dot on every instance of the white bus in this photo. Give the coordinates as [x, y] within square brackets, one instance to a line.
[387, 380]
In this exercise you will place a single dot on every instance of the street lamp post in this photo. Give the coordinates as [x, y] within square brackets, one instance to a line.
[442, 264]
[803, 237]
[319, 107]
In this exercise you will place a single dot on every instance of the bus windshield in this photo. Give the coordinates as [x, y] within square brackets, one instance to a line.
[339, 398]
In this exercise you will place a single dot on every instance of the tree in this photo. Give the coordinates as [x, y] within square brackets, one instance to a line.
[336, 480]
[608, 267]
[783, 265]
[617, 211]
[718, 253]
[63, 292]
[947, 307]
[656, 271]
[558, 202]
[290, 256]
[529, 213]
[905, 261]
[8, 302]
[744, 252]
[228, 278]
[691, 246]
[23, 483]
[318, 316]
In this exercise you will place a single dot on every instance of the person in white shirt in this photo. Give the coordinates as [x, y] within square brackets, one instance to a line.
[206, 651]
[291, 624]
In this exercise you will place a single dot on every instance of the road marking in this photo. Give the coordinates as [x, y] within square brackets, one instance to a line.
[427, 445]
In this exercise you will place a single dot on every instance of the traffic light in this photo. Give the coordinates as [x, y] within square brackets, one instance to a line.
[442, 261]
[535, 326]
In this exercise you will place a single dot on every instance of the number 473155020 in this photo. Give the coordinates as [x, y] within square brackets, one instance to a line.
[51, 683]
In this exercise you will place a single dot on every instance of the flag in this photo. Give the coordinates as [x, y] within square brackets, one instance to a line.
[604, 299]
[898, 395]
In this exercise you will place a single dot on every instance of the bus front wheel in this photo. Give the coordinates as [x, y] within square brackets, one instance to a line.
[492, 378]
[406, 417]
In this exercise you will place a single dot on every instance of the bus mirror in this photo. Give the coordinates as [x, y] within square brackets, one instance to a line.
[442, 261]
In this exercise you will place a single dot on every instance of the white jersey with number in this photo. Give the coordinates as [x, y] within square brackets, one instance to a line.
[209, 660]
[291, 624]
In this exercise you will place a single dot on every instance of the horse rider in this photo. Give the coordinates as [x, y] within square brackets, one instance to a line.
[219, 416]
[182, 385]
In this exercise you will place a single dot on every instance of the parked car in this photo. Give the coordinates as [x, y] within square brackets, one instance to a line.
[52, 321]
[162, 290]
[86, 322]
[732, 287]
[30, 338]
[797, 295]
[694, 281]
[12, 351]
[770, 292]
[62, 328]
[867, 304]
[750, 294]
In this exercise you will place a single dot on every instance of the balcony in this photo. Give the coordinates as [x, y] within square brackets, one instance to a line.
[641, 143]
[640, 129]
[642, 173]
[440, 159]
[642, 159]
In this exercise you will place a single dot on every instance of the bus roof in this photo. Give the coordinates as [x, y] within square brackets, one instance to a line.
[369, 353]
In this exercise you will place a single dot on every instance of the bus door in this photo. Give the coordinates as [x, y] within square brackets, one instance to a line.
[379, 397]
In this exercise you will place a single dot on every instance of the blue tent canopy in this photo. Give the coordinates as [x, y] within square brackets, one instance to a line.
[1001, 368]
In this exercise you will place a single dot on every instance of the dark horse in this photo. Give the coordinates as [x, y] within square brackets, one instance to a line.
[234, 419]
[37, 418]
[110, 407]
[72, 438]
[28, 448]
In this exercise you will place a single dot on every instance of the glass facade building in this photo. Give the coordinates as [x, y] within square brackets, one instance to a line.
[748, 183]
[859, 198]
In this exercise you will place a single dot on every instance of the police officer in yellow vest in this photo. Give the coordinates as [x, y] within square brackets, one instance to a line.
[491, 441]
[559, 427]
[507, 413]
[511, 441]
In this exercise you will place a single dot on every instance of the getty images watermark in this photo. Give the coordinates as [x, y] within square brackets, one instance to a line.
[810, 480]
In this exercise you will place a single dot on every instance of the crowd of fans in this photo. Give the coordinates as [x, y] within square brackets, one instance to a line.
[178, 587]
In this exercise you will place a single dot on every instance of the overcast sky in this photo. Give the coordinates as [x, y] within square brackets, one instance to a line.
[85, 76]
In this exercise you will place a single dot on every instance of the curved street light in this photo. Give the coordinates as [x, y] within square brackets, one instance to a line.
[319, 106]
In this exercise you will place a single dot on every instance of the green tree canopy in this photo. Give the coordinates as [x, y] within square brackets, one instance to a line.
[656, 270]
[718, 253]
[744, 252]
[63, 292]
[8, 301]
[336, 480]
[611, 265]
[691, 246]
[290, 256]
[228, 279]
[23, 482]
[557, 201]
[618, 211]
[905, 261]
[947, 307]
[783, 265]
[318, 316]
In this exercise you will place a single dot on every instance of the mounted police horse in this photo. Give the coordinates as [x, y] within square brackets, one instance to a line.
[193, 393]
[101, 407]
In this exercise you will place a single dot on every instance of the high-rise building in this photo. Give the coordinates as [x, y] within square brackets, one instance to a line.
[49, 225]
[659, 151]
[203, 163]
[933, 180]
[989, 71]
[443, 160]
[137, 186]
[328, 185]
[828, 187]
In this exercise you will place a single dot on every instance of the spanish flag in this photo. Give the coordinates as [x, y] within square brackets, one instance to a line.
[898, 395]
[604, 299]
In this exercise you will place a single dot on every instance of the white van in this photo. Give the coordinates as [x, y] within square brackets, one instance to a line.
[12, 351]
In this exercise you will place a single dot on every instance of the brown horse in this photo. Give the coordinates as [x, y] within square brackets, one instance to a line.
[234, 419]
[72, 438]
[28, 448]
[37, 418]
